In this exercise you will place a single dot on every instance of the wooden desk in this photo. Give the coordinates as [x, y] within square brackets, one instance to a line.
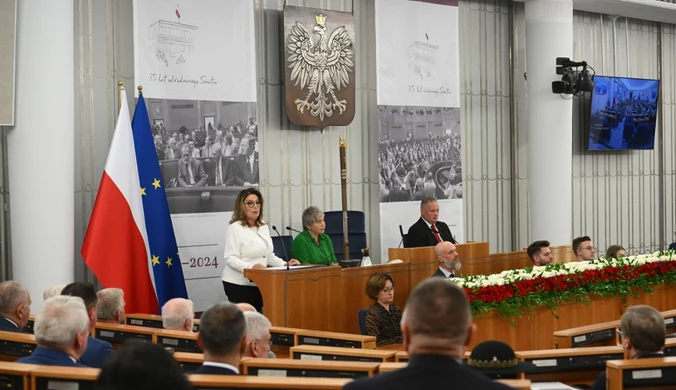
[153, 321]
[200, 382]
[308, 368]
[55, 377]
[30, 325]
[333, 339]
[15, 345]
[189, 361]
[595, 335]
[282, 339]
[15, 375]
[306, 298]
[179, 340]
[401, 356]
[641, 373]
[571, 365]
[669, 320]
[389, 366]
[519, 384]
[312, 352]
[117, 334]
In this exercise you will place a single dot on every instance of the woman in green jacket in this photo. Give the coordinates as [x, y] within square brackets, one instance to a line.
[312, 246]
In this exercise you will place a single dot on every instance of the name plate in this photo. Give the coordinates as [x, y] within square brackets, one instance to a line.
[646, 374]
[545, 363]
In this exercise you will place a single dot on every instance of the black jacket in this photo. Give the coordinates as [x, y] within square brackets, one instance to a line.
[419, 234]
[213, 370]
[428, 372]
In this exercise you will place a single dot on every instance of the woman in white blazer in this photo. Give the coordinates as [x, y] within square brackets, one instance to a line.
[248, 244]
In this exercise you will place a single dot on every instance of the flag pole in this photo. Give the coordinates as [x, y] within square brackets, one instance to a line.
[120, 89]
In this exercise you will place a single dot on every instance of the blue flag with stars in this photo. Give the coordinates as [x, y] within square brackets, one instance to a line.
[167, 270]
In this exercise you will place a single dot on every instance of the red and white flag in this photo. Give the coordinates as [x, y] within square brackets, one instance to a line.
[178, 14]
[115, 245]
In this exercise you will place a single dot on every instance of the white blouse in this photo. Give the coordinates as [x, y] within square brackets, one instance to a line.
[244, 247]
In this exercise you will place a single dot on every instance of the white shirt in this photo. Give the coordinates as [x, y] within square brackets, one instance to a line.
[446, 272]
[222, 365]
[244, 248]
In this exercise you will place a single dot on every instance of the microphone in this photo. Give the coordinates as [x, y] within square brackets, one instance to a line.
[401, 232]
[293, 230]
[283, 246]
[326, 258]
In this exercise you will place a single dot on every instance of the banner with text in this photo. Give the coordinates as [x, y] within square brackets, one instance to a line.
[419, 115]
[197, 66]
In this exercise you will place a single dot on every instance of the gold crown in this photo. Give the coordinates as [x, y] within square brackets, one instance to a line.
[321, 19]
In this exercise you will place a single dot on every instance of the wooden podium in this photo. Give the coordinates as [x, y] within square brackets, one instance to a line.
[306, 298]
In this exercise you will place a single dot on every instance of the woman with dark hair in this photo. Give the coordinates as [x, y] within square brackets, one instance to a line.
[384, 317]
[248, 244]
[141, 366]
[615, 252]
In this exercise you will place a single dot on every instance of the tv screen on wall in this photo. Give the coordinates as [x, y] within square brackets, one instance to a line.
[623, 113]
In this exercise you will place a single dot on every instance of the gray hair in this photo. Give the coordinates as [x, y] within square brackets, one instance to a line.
[644, 326]
[110, 301]
[60, 320]
[52, 291]
[310, 215]
[256, 325]
[176, 311]
[12, 294]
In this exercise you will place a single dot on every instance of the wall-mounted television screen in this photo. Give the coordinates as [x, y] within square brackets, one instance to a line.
[623, 113]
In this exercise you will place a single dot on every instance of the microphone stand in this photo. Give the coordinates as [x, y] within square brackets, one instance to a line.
[283, 246]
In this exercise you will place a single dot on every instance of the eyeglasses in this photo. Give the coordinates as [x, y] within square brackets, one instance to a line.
[619, 331]
[590, 248]
[261, 341]
[252, 204]
[386, 290]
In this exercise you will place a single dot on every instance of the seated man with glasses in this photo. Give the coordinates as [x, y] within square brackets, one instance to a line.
[384, 317]
[258, 338]
[584, 248]
[642, 331]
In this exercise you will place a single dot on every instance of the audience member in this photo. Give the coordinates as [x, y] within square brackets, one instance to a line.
[97, 350]
[497, 360]
[258, 339]
[615, 252]
[52, 291]
[428, 230]
[110, 307]
[437, 327]
[584, 248]
[642, 331]
[448, 259]
[221, 337]
[61, 332]
[384, 317]
[313, 246]
[540, 254]
[15, 306]
[178, 314]
[141, 366]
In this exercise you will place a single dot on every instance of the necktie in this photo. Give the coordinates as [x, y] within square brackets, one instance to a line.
[436, 233]
[219, 175]
[192, 178]
[250, 163]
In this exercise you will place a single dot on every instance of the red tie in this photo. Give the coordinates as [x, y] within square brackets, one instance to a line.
[436, 233]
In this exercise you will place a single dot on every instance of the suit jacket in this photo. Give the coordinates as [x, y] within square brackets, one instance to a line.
[241, 171]
[600, 382]
[7, 326]
[198, 173]
[49, 357]
[419, 234]
[226, 171]
[96, 353]
[440, 273]
[213, 370]
[428, 372]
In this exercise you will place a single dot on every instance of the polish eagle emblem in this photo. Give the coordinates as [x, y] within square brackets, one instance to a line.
[323, 67]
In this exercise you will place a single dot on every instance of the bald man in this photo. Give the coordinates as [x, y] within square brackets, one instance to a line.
[178, 314]
[448, 259]
[243, 306]
[437, 327]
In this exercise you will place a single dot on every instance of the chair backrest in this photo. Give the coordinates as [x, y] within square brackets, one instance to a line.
[282, 246]
[357, 243]
[362, 320]
[356, 222]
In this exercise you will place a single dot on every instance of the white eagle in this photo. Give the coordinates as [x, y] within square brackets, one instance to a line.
[324, 67]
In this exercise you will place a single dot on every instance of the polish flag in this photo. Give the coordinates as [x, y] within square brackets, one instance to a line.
[178, 14]
[116, 245]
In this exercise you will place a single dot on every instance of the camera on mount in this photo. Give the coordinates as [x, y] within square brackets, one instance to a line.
[575, 77]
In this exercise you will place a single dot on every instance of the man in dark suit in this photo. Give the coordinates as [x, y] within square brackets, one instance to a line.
[221, 337]
[428, 231]
[436, 327]
[61, 332]
[97, 350]
[245, 171]
[220, 174]
[15, 306]
[642, 330]
[448, 260]
[190, 171]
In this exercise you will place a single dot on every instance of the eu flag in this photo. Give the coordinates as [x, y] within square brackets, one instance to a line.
[167, 271]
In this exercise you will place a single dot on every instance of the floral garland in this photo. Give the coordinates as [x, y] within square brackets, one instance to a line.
[513, 292]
